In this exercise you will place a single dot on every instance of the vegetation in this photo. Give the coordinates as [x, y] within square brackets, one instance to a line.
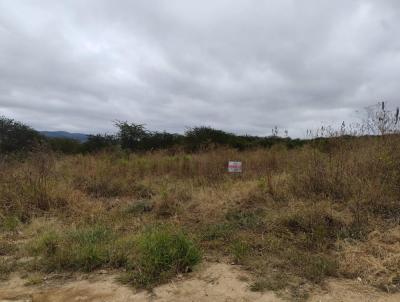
[17, 137]
[162, 252]
[130, 137]
[295, 216]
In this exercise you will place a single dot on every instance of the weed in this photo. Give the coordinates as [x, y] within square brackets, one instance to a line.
[246, 219]
[239, 250]
[34, 279]
[84, 249]
[7, 247]
[162, 252]
[273, 282]
[6, 267]
[217, 231]
[139, 207]
[9, 223]
[313, 267]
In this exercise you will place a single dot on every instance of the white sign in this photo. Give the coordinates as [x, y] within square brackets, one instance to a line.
[235, 166]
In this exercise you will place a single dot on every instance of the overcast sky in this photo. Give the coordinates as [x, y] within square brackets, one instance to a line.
[239, 65]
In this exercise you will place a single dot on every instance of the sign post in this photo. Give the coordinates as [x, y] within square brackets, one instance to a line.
[235, 167]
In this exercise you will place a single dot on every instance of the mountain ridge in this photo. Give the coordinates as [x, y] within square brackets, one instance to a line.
[65, 134]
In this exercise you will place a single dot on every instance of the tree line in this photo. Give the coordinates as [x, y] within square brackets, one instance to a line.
[18, 137]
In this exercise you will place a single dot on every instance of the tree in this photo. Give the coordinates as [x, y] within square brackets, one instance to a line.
[160, 140]
[131, 135]
[98, 142]
[202, 137]
[17, 137]
[64, 145]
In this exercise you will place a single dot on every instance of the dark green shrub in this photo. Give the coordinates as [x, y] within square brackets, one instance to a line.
[17, 137]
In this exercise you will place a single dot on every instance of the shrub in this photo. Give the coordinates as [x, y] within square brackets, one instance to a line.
[99, 142]
[17, 137]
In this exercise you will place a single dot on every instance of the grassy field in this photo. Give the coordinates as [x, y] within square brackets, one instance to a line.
[293, 218]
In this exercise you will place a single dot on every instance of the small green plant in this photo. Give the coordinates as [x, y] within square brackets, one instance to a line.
[319, 267]
[239, 250]
[248, 219]
[271, 282]
[46, 244]
[6, 268]
[34, 279]
[139, 207]
[162, 253]
[217, 231]
[9, 223]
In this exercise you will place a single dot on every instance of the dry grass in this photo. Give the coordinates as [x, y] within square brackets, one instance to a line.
[297, 215]
[376, 261]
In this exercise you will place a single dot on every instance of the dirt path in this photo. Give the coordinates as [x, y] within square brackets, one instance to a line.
[212, 282]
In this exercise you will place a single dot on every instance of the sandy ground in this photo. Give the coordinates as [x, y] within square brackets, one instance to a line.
[211, 282]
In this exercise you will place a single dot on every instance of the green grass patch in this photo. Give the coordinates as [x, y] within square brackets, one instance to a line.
[83, 249]
[162, 253]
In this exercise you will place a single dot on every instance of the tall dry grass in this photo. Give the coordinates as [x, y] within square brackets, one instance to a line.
[300, 213]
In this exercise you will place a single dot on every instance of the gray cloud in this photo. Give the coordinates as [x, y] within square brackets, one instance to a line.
[241, 66]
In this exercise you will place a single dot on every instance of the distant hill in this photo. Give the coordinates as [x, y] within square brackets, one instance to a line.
[63, 134]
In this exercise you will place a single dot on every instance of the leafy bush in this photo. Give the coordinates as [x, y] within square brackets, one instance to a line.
[17, 137]
[64, 145]
[99, 142]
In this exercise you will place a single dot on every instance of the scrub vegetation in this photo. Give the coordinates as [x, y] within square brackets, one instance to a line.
[329, 207]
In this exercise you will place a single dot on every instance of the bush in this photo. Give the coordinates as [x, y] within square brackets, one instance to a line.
[99, 142]
[17, 137]
[64, 145]
[162, 252]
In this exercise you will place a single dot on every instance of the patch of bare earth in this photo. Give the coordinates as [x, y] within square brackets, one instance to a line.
[211, 282]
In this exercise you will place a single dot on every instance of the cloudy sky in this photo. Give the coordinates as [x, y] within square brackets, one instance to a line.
[238, 65]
